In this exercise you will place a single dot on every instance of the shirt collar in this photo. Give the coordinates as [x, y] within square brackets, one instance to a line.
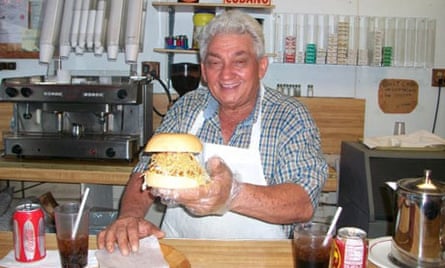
[212, 109]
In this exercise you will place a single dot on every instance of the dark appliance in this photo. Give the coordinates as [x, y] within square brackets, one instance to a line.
[368, 203]
[90, 117]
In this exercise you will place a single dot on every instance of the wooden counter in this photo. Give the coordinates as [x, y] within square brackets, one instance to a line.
[94, 172]
[206, 253]
[66, 171]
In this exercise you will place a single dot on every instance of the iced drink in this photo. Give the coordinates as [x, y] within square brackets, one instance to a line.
[308, 244]
[73, 252]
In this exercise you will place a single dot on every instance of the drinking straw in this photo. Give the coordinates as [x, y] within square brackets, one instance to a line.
[332, 226]
[79, 214]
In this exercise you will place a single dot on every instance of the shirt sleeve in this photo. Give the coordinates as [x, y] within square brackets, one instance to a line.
[300, 158]
[308, 166]
[142, 164]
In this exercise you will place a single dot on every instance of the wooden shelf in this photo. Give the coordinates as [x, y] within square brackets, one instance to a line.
[177, 4]
[176, 51]
[189, 51]
[15, 51]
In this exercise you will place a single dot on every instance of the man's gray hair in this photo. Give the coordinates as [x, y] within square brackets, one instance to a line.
[233, 21]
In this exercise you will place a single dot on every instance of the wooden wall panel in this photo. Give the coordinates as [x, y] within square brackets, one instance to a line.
[160, 102]
[5, 119]
[339, 119]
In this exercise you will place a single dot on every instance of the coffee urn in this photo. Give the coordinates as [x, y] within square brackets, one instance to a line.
[418, 240]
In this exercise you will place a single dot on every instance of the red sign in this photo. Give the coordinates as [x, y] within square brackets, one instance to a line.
[248, 2]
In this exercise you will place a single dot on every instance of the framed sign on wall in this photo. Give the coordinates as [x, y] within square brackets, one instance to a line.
[398, 95]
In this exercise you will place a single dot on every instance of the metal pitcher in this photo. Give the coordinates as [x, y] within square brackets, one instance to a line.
[419, 239]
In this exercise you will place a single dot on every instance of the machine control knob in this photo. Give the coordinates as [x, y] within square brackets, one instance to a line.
[110, 152]
[11, 92]
[26, 91]
[16, 149]
[122, 94]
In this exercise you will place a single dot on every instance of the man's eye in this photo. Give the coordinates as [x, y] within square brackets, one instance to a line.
[214, 64]
[240, 62]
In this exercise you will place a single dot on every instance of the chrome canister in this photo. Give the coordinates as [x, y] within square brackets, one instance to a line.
[419, 236]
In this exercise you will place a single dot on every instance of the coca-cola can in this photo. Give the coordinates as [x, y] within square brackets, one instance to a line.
[29, 233]
[349, 249]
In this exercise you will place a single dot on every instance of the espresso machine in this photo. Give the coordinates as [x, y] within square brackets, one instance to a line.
[90, 117]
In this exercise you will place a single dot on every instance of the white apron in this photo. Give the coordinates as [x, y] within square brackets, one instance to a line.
[246, 165]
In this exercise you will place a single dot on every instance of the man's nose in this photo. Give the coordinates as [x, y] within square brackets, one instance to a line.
[227, 70]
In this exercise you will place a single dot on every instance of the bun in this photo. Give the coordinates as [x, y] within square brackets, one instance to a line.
[174, 142]
[173, 162]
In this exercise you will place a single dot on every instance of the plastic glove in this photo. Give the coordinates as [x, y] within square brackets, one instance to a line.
[168, 197]
[214, 198]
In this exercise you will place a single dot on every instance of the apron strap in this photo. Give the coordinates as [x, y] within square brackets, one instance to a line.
[199, 121]
[256, 128]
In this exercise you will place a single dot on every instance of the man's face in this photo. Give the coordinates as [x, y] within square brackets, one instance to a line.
[232, 71]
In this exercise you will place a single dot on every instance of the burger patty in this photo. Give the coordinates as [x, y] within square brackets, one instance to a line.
[179, 165]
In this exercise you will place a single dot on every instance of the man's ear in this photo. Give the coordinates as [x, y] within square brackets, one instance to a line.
[203, 74]
[263, 65]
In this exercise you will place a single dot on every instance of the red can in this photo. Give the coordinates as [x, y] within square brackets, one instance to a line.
[350, 248]
[29, 233]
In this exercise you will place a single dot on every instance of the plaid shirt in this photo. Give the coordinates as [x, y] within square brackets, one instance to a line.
[289, 144]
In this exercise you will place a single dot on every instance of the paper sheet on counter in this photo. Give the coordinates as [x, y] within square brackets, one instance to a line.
[148, 255]
[418, 139]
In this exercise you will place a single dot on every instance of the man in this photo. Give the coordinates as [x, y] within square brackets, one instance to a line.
[269, 169]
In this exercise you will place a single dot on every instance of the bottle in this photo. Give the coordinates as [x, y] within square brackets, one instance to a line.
[310, 90]
[280, 88]
[297, 92]
[200, 19]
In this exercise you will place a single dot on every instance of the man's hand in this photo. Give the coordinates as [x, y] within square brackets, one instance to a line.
[213, 198]
[126, 232]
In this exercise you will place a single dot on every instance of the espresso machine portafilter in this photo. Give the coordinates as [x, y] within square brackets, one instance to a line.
[85, 119]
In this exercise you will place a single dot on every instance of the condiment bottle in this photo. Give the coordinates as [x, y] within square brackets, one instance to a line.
[200, 19]
[310, 90]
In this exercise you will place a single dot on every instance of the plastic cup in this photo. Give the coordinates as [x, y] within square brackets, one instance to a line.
[73, 252]
[399, 128]
[308, 244]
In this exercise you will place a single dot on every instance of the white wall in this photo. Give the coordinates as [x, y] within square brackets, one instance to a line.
[363, 82]
[345, 81]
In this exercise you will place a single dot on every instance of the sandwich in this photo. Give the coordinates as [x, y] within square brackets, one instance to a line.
[174, 162]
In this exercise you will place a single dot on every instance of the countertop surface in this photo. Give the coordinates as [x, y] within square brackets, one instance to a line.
[218, 253]
[206, 253]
